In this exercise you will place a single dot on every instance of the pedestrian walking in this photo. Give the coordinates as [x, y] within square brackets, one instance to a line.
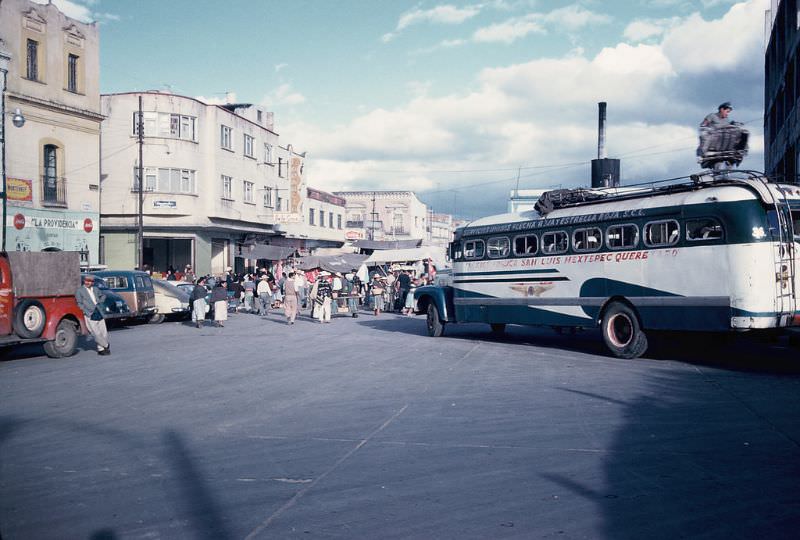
[323, 297]
[351, 291]
[89, 299]
[249, 293]
[264, 295]
[290, 298]
[198, 300]
[376, 290]
[219, 297]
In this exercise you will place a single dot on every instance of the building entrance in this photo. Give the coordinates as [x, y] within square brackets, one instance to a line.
[161, 253]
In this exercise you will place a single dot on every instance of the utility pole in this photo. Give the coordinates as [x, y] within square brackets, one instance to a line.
[140, 221]
[373, 215]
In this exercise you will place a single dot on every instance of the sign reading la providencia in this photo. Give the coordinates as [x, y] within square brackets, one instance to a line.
[34, 229]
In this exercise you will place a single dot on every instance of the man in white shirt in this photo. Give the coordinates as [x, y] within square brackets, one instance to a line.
[264, 296]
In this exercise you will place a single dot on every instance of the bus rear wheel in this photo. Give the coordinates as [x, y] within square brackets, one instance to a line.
[622, 333]
[498, 329]
[435, 325]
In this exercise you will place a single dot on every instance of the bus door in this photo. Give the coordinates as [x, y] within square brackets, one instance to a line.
[782, 232]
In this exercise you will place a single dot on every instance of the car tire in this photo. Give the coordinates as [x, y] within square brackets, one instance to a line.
[156, 318]
[622, 332]
[29, 319]
[435, 325]
[64, 342]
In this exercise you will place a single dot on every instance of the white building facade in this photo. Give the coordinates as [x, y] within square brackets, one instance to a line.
[385, 215]
[53, 160]
[217, 183]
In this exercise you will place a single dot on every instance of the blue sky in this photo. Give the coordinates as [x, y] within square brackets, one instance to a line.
[451, 99]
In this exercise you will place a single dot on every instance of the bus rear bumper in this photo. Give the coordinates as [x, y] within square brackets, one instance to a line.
[754, 322]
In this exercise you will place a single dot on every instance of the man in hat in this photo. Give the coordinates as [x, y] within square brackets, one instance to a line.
[89, 299]
[718, 119]
[264, 295]
[323, 297]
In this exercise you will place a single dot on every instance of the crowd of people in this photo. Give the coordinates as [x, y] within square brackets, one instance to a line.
[321, 292]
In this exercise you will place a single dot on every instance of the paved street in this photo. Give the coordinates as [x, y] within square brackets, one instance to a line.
[367, 428]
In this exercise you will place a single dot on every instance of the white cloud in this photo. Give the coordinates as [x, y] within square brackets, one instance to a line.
[283, 95]
[81, 10]
[444, 14]
[228, 97]
[279, 67]
[509, 31]
[642, 29]
[698, 45]
[543, 112]
[569, 18]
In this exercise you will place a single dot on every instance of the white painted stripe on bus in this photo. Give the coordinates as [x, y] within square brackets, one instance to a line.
[640, 301]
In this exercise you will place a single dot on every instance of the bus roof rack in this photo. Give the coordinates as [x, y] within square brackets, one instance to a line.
[565, 198]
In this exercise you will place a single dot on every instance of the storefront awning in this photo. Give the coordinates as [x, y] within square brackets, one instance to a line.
[267, 251]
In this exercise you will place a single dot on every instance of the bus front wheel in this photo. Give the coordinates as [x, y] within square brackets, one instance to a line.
[435, 325]
[622, 333]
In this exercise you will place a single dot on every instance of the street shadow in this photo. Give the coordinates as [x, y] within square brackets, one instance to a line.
[199, 503]
[200, 507]
[734, 352]
[692, 460]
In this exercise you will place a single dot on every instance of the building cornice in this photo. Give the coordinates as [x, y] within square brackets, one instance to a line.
[56, 107]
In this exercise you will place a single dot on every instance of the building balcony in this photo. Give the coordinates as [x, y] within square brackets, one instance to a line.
[398, 231]
[54, 191]
[354, 224]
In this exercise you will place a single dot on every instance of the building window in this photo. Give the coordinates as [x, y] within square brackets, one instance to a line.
[267, 197]
[321, 218]
[249, 146]
[311, 216]
[72, 73]
[248, 191]
[268, 154]
[227, 187]
[167, 125]
[259, 115]
[166, 180]
[279, 204]
[280, 167]
[226, 137]
[330, 220]
[338, 221]
[50, 181]
[33, 60]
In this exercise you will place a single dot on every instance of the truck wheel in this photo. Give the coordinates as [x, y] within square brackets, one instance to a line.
[156, 318]
[435, 326]
[64, 342]
[498, 329]
[621, 331]
[29, 319]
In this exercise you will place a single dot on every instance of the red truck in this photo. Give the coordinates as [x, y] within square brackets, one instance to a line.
[37, 300]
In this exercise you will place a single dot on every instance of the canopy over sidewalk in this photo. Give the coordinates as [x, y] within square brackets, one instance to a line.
[344, 262]
[435, 253]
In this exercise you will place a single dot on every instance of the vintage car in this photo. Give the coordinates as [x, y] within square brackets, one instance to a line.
[171, 301]
[135, 287]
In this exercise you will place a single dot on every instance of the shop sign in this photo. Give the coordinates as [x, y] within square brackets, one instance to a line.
[285, 217]
[19, 189]
[165, 204]
[31, 229]
[354, 235]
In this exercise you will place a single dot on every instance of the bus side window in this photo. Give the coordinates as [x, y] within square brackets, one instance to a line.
[661, 233]
[555, 242]
[703, 229]
[526, 245]
[498, 247]
[455, 251]
[473, 249]
[587, 239]
[622, 236]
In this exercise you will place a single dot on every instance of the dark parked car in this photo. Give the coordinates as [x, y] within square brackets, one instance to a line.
[115, 306]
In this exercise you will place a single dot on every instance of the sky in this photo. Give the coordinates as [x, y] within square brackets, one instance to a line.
[459, 101]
